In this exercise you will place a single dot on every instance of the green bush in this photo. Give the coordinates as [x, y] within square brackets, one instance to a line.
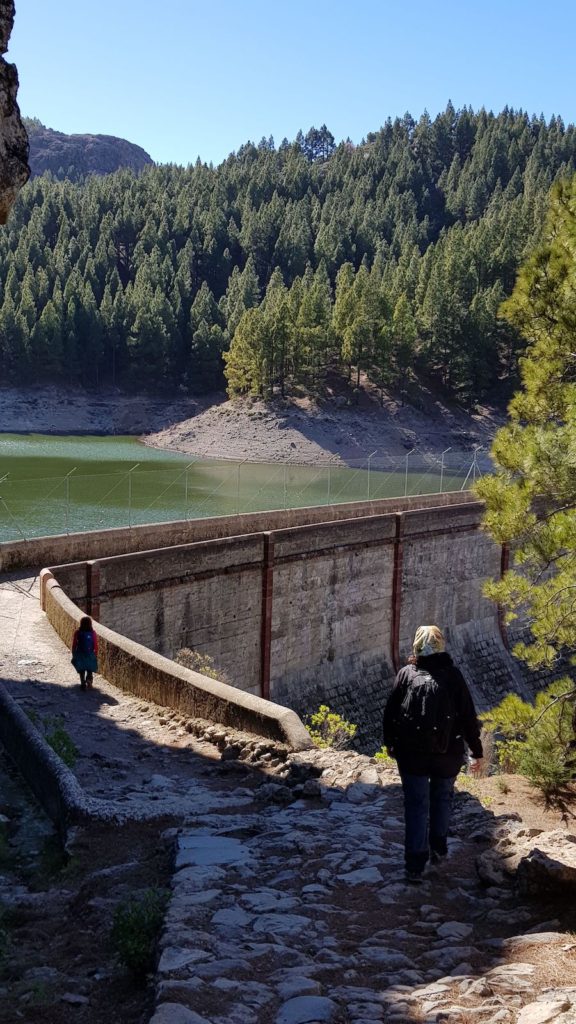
[536, 740]
[135, 929]
[56, 736]
[198, 662]
[329, 729]
[60, 741]
[383, 755]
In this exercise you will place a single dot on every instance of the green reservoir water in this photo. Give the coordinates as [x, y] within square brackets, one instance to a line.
[51, 485]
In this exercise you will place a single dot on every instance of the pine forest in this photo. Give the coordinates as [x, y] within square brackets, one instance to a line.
[385, 259]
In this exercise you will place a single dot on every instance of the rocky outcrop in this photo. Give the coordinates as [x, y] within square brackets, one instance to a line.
[549, 864]
[14, 169]
[75, 156]
[537, 861]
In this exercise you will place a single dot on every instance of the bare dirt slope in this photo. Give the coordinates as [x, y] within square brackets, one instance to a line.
[339, 429]
[53, 410]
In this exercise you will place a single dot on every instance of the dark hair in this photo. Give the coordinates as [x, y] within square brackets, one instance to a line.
[85, 624]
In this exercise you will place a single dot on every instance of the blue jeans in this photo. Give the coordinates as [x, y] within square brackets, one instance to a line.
[427, 811]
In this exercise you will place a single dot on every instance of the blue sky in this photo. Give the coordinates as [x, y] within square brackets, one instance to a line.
[211, 75]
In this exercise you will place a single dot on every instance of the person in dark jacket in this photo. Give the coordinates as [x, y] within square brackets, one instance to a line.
[85, 652]
[427, 769]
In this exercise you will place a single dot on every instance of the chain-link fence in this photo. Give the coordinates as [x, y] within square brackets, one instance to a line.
[79, 501]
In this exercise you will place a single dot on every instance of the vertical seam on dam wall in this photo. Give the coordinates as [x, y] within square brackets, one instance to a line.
[397, 591]
[267, 598]
[504, 565]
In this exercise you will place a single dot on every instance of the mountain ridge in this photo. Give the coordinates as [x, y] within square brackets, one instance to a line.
[78, 155]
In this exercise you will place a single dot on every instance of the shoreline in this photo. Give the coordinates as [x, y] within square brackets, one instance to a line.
[298, 430]
[286, 432]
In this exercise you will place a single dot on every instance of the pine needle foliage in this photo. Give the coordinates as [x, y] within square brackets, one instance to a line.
[329, 729]
[531, 499]
[380, 258]
[535, 740]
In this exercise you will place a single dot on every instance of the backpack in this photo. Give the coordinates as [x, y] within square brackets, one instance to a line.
[85, 644]
[427, 715]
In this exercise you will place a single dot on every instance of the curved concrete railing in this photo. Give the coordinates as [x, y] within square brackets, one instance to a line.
[137, 670]
[54, 784]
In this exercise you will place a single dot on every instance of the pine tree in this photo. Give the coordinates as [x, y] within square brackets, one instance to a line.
[244, 361]
[403, 342]
[531, 500]
[344, 310]
[242, 293]
[278, 334]
[45, 351]
[13, 349]
[442, 211]
[313, 324]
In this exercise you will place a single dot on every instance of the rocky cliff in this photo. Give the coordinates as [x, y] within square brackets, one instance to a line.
[74, 156]
[14, 170]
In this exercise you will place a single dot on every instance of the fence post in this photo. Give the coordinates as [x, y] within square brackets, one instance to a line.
[406, 472]
[130, 471]
[14, 520]
[68, 475]
[186, 490]
[474, 463]
[466, 478]
[446, 450]
[240, 464]
[370, 457]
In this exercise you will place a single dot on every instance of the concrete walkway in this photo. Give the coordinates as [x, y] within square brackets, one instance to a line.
[294, 913]
[124, 744]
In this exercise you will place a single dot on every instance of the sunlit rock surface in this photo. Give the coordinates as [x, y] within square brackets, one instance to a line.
[14, 169]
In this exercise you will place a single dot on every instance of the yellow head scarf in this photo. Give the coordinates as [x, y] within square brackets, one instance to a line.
[428, 640]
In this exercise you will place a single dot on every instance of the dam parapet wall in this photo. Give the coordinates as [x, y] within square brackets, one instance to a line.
[320, 611]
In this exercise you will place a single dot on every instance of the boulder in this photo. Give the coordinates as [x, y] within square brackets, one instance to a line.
[537, 862]
[549, 864]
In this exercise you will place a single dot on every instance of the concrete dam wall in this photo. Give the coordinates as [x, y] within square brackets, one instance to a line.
[319, 612]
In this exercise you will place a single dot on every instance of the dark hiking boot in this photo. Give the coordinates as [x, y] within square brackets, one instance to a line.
[413, 877]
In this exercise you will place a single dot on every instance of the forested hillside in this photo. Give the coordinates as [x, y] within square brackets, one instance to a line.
[382, 257]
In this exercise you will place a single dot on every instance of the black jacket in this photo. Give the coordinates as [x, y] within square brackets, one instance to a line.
[466, 725]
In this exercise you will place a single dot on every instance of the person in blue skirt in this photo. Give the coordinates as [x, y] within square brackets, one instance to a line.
[85, 652]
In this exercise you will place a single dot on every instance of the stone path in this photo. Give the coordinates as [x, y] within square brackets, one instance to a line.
[288, 902]
[301, 914]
